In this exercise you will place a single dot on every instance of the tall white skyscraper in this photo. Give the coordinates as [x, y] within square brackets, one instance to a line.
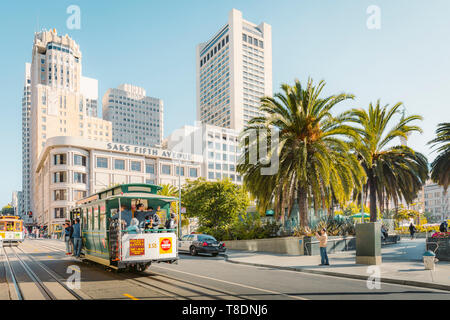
[61, 104]
[136, 118]
[26, 161]
[234, 70]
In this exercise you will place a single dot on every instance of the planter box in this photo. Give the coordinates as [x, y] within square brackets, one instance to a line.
[334, 244]
[443, 247]
[288, 245]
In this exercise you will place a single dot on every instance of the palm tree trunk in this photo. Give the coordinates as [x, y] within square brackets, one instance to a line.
[373, 197]
[302, 206]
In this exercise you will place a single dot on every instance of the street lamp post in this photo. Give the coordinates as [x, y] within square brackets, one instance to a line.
[179, 198]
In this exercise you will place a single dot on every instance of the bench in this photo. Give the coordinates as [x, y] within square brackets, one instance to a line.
[391, 239]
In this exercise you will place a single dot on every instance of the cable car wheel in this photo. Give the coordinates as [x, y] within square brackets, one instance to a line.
[140, 267]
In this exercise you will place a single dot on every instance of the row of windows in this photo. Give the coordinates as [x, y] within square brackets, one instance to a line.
[219, 175]
[62, 195]
[224, 166]
[61, 177]
[214, 50]
[253, 41]
[139, 102]
[223, 147]
[221, 157]
[61, 159]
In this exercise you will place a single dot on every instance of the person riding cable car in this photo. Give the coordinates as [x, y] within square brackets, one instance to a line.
[126, 214]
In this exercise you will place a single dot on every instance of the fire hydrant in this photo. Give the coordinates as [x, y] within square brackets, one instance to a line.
[429, 260]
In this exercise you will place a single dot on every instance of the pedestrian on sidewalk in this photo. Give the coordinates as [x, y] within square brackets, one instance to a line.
[67, 238]
[77, 238]
[323, 239]
[412, 230]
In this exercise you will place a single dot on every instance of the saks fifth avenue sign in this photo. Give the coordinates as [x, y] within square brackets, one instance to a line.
[149, 151]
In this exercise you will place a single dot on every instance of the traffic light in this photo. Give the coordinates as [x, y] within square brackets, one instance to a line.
[30, 213]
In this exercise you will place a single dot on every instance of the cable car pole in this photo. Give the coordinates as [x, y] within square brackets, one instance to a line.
[179, 198]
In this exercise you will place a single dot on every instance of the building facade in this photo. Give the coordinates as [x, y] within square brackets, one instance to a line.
[136, 118]
[234, 70]
[59, 96]
[437, 202]
[26, 153]
[72, 168]
[218, 146]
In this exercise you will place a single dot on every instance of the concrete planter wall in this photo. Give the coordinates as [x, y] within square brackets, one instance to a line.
[334, 244]
[288, 245]
[443, 247]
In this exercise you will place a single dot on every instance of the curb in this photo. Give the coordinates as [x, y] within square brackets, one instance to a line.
[346, 275]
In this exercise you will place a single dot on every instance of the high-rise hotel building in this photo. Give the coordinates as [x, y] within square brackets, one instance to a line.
[26, 161]
[136, 118]
[63, 102]
[234, 70]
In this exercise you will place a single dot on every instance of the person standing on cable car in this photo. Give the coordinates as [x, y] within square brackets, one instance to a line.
[140, 214]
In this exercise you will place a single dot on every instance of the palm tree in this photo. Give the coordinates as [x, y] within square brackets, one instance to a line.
[315, 162]
[392, 171]
[170, 191]
[440, 168]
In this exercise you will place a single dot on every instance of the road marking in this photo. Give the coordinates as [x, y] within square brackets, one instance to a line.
[236, 284]
[130, 296]
[50, 257]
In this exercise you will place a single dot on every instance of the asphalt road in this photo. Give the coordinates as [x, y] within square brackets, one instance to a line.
[194, 278]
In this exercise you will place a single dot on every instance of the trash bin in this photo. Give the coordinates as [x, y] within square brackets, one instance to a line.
[429, 259]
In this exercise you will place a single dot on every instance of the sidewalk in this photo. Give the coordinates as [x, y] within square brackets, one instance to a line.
[402, 264]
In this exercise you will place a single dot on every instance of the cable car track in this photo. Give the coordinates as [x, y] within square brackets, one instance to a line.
[53, 275]
[12, 276]
[184, 287]
[43, 289]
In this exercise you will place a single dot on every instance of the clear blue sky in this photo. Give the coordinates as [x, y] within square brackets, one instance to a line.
[152, 44]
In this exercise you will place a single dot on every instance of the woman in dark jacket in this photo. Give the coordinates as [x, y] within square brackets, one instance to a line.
[412, 230]
[67, 233]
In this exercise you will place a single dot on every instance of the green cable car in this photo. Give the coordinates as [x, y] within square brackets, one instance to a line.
[108, 239]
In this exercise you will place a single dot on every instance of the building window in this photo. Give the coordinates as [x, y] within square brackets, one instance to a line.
[102, 163]
[79, 160]
[59, 159]
[119, 164]
[165, 169]
[150, 168]
[79, 177]
[60, 213]
[193, 173]
[135, 166]
[178, 171]
[149, 181]
[59, 177]
[79, 194]
[59, 195]
[211, 175]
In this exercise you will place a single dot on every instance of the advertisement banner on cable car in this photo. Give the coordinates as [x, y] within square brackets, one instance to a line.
[149, 246]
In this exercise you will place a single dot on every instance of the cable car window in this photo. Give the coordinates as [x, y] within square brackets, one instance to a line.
[9, 226]
[2, 226]
[84, 219]
[95, 218]
[90, 219]
[18, 226]
[102, 217]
